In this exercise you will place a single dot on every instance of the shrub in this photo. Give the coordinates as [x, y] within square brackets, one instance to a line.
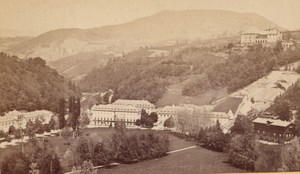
[130, 148]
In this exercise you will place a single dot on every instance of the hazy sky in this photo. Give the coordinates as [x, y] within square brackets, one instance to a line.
[33, 17]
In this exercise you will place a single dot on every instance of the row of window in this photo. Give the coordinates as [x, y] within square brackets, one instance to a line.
[261, 41]
[7, 123]
[111, 119]
[108, 122]
[276, 134]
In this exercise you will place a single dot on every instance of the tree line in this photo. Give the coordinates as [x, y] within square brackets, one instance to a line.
[37, 158]
[121, 147]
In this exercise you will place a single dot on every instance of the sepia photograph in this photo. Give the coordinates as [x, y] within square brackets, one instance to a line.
[149, 86]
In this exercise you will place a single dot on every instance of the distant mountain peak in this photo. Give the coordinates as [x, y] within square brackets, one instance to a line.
[164, 25]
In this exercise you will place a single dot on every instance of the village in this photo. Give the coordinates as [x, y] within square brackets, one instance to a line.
[89, 87]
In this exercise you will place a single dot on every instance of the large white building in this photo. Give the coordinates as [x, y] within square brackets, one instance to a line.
[19, 119]
[165, 113]
[121, 110]
[271, 35]
[104, 115]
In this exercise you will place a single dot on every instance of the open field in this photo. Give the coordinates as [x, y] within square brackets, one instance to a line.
[190, 160]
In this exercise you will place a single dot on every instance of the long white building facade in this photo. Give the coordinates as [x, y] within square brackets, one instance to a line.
[127, 111]
[19, 119]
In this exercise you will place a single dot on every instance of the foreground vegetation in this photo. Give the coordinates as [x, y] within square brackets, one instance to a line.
[245, 151]
[119, 145]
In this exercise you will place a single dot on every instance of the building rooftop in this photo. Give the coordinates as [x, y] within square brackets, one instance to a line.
[136, 103]
[115, 108]
[230, 103]
[273, 122]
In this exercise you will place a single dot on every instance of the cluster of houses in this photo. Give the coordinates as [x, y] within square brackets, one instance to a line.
[224, 111]
[19, 119]
[128, 111]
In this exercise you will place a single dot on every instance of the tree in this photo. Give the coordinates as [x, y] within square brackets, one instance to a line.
[38, 127]
[230, 45]
[169, 122]
[82, 148]
[269, 158]
[52, 124]
[3, 134]
[146, 119]
[242, 145]
[16, 162]
[154, 117]
[242, 151]
[74, 113]
[84, 120]
[87, 167]
[30, 129]
[49, 163]
[242, 125]
[278, 48]
[18, 134]
[101, 155]
[11, 129]
[281, 108]
[61, 114]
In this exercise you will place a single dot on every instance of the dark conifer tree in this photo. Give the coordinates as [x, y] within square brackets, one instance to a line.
[61, 114]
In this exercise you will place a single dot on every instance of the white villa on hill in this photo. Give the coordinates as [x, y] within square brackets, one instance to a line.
[271, 35]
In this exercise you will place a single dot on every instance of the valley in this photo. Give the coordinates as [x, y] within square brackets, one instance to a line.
[187, 91]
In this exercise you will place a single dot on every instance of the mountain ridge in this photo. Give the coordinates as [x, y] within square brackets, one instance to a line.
[164, 25]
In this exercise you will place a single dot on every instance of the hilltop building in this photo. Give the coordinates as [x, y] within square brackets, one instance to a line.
[127, 111]
[274, 130]
[271, 35]
[19, 119]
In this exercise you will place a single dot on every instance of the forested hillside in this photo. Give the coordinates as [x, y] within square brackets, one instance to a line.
[240, 70]
[30, 85]
[137, 76]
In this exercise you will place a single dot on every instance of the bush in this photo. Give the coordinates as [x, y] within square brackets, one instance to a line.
[67, 132]
[169, 123]
[242, 153]
[15, 162]
[17, 134]
[3, 134]
[131, 148]
[213, 138]
[102, 155]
